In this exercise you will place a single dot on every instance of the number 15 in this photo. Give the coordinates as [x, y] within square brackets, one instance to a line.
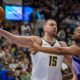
[52, 61]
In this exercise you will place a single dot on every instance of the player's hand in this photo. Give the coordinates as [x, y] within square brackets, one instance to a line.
[33, 47]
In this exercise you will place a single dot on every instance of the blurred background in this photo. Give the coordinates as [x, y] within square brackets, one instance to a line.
[26, 18]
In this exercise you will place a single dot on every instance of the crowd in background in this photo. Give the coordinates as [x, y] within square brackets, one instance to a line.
[16, 59]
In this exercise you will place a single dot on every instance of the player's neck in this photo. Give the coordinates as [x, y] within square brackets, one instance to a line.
[49, 39]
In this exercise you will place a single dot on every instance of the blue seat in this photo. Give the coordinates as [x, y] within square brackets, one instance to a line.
[10, 78]
[4, 75]
[0, 76]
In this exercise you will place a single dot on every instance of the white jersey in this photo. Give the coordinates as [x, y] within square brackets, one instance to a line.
[47, 66]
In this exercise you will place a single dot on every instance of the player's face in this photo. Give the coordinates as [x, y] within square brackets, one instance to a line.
[51, 27]
[76, 35]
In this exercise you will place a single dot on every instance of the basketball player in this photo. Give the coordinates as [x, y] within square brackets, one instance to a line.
[72, 50]
[45, 66]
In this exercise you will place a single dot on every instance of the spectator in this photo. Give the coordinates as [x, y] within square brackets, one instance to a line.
[62, 35]
[13, 65]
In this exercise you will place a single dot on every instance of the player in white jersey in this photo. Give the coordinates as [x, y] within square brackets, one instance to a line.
[45, 66]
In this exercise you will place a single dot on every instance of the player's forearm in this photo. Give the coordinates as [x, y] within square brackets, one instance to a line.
[7, 35]
[51, 50]
[18, 40]
[55, 50]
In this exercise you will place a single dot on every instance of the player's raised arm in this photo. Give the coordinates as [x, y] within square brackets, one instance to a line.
[73, 50]
[18, 40]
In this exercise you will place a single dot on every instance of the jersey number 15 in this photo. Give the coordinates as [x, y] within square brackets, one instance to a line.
[52, 60]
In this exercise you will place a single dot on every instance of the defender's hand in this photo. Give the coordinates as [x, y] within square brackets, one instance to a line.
[33, 47]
